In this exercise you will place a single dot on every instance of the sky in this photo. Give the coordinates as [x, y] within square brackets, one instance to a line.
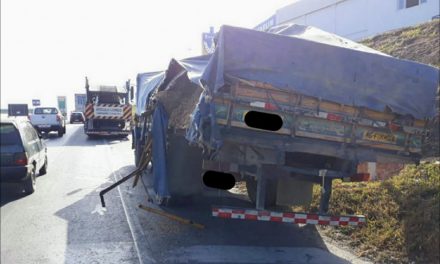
[49, 46]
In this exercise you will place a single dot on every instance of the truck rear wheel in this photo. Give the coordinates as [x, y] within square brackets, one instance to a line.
[271, 191]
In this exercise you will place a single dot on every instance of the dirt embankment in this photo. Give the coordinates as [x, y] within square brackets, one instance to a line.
[402, 212]
[420, 43]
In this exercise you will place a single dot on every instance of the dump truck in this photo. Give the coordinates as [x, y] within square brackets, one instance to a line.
[281, 111]
[108, 110]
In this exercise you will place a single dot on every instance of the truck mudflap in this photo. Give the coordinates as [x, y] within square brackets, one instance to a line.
[288, 217]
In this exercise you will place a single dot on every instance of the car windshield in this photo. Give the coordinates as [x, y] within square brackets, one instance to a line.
[76, 115]
[9, 135]
[46, 111]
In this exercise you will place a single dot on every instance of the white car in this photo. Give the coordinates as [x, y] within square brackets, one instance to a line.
[47, 119]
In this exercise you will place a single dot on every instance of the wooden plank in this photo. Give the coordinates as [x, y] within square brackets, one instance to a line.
[264, 92]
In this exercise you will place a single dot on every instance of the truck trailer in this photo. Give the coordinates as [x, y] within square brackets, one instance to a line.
[107, 110]
[281, 111]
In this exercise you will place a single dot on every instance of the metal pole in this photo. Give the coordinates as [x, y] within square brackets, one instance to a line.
[261, 189]
[171, 216]
[326, 191]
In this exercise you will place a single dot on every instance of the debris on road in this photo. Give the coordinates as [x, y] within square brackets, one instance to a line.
[146, 154]
[171, 216]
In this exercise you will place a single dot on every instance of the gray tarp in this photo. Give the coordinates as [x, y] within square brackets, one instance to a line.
[338, 74]
[329, 68]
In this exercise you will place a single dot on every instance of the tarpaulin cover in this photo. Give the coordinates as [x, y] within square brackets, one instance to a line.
[336, 71]
[146, 83]
[159, 128]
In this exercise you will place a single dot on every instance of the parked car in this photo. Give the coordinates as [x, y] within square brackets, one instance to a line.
[47, 119]
[77, 117]
[23, 154]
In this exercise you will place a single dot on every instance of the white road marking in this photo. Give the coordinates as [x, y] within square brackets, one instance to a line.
[99, 209]
[133, 223]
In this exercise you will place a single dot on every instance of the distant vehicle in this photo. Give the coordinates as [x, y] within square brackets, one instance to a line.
[47, 119]
[76, 117]
[23, 154]
[18, 110]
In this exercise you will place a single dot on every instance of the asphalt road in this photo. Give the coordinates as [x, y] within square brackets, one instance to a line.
[63, 222]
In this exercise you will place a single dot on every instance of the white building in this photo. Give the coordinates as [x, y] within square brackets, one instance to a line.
[355, 19]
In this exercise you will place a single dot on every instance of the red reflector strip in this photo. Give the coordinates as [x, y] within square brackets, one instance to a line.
[334, 117]
[264, 105]
[295, 218]
[394, 126]
[329, 116]
[269, 106]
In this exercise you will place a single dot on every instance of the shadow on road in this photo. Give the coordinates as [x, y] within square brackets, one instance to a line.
[94, 234]
[10, 193]
[75, 136]
[103, 235]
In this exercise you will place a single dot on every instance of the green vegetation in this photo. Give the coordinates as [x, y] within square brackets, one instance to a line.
[402, 214]
[419, 43]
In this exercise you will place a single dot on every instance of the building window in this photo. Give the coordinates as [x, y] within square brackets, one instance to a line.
[411, 3]
[402, 4]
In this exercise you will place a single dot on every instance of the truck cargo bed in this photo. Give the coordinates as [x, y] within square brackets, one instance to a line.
[310, 117]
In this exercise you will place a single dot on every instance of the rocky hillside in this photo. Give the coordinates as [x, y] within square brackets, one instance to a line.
[420, 43]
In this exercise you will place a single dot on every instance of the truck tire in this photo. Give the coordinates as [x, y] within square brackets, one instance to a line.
[43, 170]
[60, 132]
[184, 168]
[271, 192]
[29, 184]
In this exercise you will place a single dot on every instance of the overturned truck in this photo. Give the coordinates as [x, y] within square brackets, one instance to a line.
[281, 111]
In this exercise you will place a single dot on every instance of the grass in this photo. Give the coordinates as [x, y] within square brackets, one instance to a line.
[418, 43]
[402, 214]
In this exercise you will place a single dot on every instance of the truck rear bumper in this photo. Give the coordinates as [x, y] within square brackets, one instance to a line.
[108, 133]
[47, 128]
[288, 217]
